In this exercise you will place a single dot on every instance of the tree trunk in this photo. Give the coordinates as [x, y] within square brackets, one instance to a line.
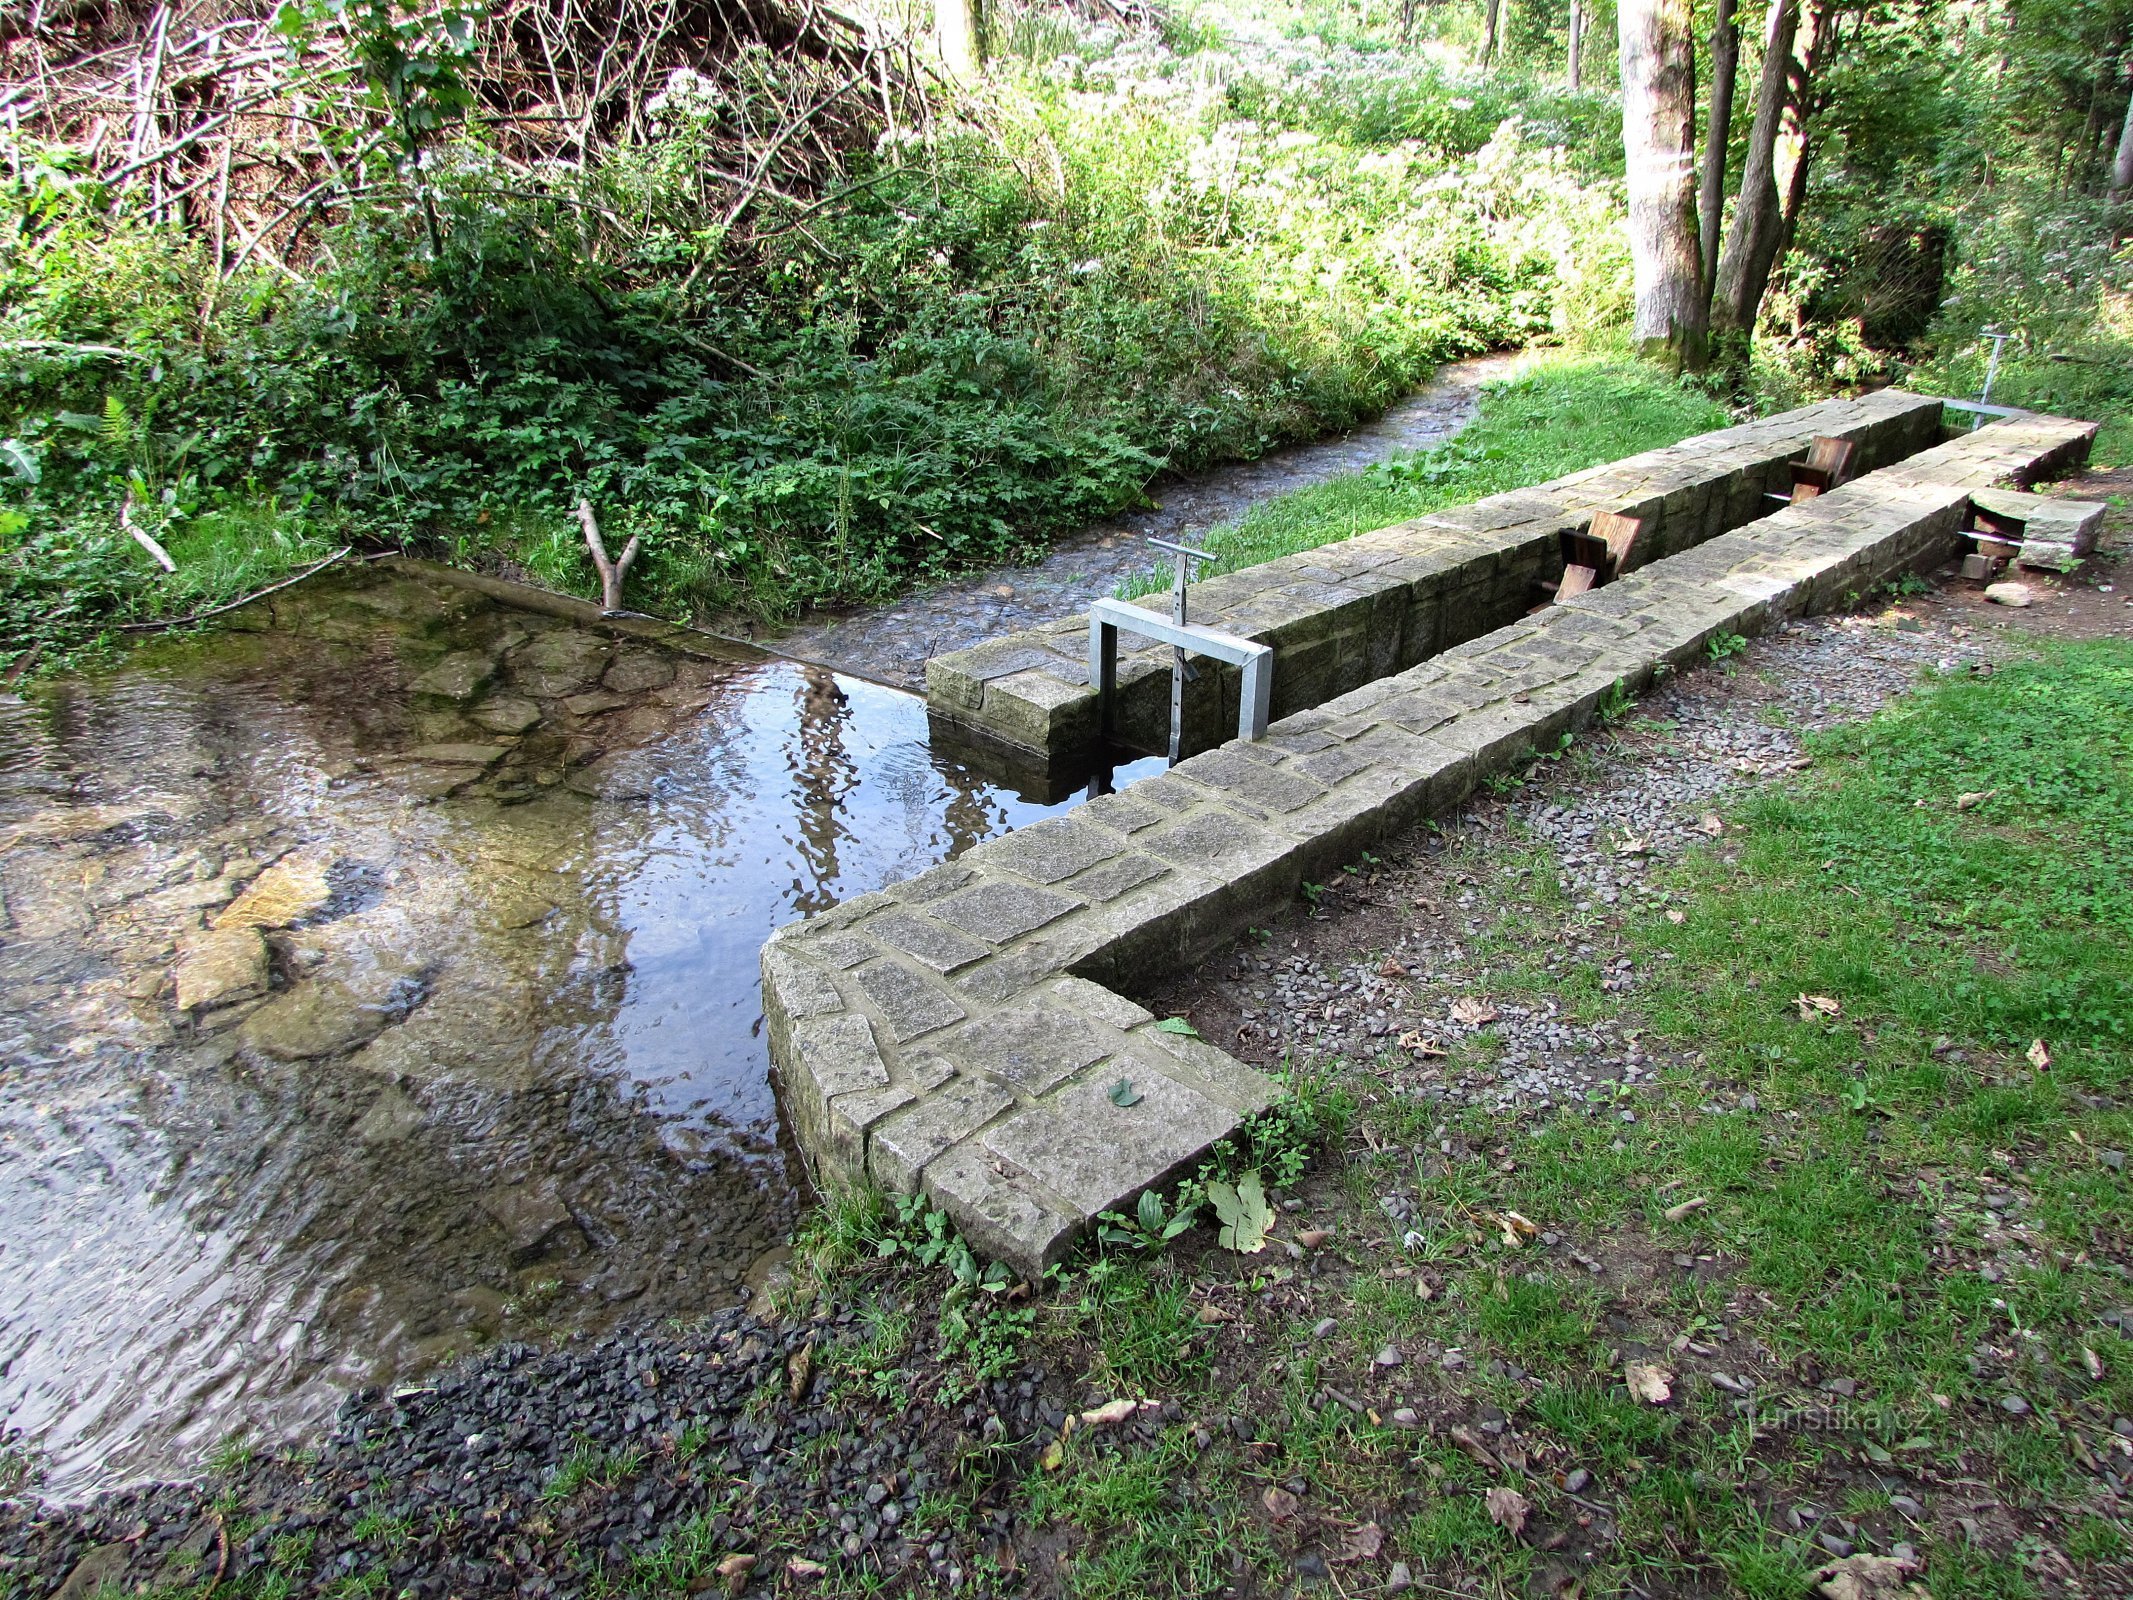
[1658, 137]
[2122, 167]
[1577, 44]
[1717, 139]
[958, 34]
[1816, 43]
[1751, 245]
[1491, 15]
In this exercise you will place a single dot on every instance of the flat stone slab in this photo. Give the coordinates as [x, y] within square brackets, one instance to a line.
[2056, 533]
[952, 1036]
[1347, 613]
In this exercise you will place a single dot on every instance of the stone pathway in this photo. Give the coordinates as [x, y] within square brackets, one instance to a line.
[892, 643]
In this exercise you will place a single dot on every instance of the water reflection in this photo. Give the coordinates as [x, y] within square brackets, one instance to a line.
[466, 903]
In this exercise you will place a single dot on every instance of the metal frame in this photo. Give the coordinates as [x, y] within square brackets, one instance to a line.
[1109, 618]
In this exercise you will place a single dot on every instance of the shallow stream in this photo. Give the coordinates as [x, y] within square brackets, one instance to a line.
[378, 972]
[378, 977]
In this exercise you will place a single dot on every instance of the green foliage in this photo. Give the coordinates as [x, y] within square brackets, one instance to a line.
[1152, 1224]
[982, 344]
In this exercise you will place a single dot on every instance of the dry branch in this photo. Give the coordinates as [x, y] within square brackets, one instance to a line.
[200, 113]
[612, 573]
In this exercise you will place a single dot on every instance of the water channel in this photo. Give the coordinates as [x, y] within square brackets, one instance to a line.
[378, 977]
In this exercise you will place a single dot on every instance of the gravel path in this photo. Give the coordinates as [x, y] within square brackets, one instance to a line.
[892, 643]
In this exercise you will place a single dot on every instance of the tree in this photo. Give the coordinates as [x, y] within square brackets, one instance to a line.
[2122, 164]
[1658, 55]
[1752, 242]
[1577, 44]
[1717, 139]
[959, 36]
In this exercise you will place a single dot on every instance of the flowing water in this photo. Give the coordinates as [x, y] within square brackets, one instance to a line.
[378, 978]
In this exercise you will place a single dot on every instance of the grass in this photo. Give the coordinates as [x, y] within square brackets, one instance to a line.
[1919, 1203]
[1560, 414]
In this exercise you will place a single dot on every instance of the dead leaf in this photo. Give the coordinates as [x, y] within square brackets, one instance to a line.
[1209, 1315]
[1361, 1544]
[1516, 1229]
[1109, 1412]
[1392, 969]
[1649, 1382]
[1817, 1005]
[2091, 1360]
[1471, 1012]
[1279, 1503]
[1466, 1439]
[1425, 1048]
[1676, 1213]
[800, 1370]
[801, 1567]
[1711, 825]
[2039, 1056]
[1677, 918]
[734, 1571]
[1969, 802]
[1631, 845]
[1312, 1238]
[1507, 1509]
[1865, 1577]
[1054, 1455]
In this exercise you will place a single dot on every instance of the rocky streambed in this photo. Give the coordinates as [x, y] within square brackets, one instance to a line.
[378, 983]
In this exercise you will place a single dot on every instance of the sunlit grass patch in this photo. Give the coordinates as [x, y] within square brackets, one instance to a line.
[1561, 413]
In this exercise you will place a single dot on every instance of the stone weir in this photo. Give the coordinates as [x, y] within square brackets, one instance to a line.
[953, 1035]
[1345, 614]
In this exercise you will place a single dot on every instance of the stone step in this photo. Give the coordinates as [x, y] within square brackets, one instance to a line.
[952, 1035]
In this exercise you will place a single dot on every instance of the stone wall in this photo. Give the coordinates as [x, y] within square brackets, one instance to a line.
[952, 1035]
[1347, 613]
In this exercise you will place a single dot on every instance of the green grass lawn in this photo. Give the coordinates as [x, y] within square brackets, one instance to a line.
[1560, 414]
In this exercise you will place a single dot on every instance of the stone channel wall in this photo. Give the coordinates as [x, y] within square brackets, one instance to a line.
[1349, 613]
[952, 1035]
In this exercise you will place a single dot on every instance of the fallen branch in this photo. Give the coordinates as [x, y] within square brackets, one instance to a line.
[164, 625]
[611, 572]
[142, 537]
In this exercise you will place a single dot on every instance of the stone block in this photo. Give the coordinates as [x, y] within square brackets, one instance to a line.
[935, 944]
[1095, 1001]
[1003, 1214]
[1110, 879]
[908, 1003]
[796, 987]
[900, 1145]
[1096, 1154]
[1002, 912]
[1047, 851]
[1033, 1045]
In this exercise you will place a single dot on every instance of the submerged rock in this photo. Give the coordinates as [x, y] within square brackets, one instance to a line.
[286, 892]
[462, 675]
[219, 967]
